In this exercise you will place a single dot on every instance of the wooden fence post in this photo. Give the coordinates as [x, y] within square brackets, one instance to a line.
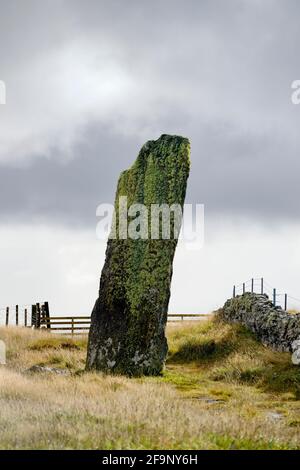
[33, 316]
[38, 315]
[252, 285]
[25, 317]
[72, 326]
[42, 314]
[7, 316]
[274, 297]
[285, 302]
[262, 285]
[244, 288]
[17, 315]
[233, 291]
[47, 315]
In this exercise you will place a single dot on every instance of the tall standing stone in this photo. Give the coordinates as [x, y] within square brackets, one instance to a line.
[127, 334]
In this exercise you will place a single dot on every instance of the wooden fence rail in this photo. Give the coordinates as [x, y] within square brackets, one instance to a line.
[81, 324]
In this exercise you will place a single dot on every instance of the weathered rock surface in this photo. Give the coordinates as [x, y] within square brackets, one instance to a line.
[272, 325]
[296, 352]
[127, 334]
[37, 369]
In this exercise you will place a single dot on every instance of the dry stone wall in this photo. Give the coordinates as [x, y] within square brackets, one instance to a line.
[271, 324]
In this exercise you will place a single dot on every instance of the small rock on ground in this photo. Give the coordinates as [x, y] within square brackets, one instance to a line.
[274, 415]
[49, 370]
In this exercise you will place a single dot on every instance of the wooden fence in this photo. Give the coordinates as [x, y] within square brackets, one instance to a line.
[38, 316]
[70, 325]
[81, 325]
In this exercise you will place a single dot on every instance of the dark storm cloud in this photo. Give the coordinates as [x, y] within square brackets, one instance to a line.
[217, 72]
[69, 192]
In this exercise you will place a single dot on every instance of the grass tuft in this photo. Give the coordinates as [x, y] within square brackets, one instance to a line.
[55, 343]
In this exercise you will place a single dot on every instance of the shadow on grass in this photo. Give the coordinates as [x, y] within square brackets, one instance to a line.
[275, 374]
[280, 379]
[201, 350]
[232, 354]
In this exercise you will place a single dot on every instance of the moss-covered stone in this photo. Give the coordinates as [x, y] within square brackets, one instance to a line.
[127, 334]
[272, 325]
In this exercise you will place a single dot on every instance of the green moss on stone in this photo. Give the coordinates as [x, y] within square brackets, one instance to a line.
[128, 321]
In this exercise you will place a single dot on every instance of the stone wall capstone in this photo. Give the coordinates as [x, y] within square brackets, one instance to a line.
[272, 325]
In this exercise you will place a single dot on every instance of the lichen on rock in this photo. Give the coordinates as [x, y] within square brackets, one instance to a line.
[127, 334]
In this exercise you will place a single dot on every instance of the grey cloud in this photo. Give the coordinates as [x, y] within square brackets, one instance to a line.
[227, 177]
[217, 72]
[66, 192]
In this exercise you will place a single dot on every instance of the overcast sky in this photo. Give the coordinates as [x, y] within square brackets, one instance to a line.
[88, 82]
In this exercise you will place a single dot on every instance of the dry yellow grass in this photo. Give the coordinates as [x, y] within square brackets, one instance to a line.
[91, 411]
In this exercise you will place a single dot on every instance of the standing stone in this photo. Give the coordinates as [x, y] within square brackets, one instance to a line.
[127, 334]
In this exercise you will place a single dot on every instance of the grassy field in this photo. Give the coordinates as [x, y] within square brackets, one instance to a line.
[220, 390]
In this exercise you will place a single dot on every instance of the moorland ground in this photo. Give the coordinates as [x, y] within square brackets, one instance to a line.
[221, 390]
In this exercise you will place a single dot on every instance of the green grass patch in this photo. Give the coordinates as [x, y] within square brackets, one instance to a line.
[57, 343]
[227, 442]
